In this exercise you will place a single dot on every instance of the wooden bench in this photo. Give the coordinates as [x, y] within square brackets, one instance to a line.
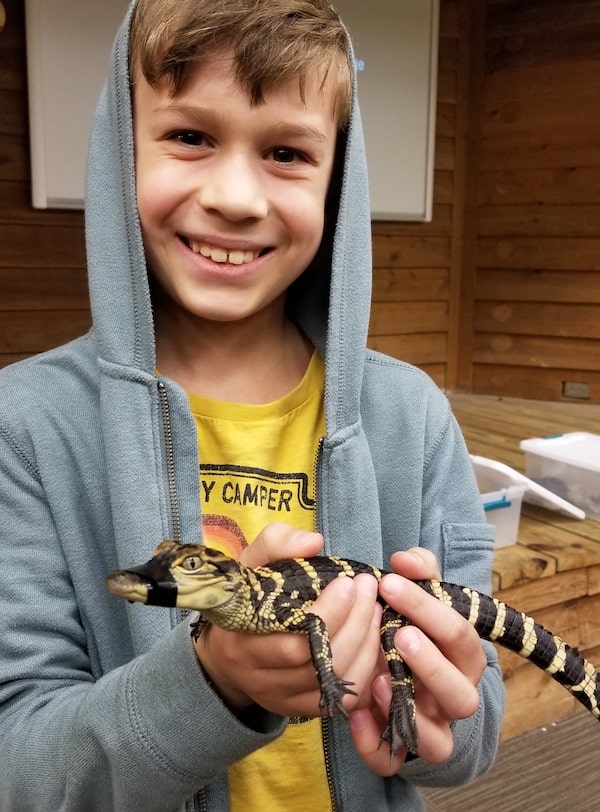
[553, 572]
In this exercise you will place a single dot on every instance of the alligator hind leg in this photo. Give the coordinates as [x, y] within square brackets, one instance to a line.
[401, 729]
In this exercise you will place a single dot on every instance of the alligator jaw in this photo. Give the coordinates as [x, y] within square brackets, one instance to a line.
[128, 585]
[135, 587]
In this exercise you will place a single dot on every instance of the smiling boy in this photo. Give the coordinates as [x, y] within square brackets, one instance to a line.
[228, 237]
[231, 197]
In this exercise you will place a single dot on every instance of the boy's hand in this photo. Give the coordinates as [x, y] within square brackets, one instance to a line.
[447, 660]
[275, 671]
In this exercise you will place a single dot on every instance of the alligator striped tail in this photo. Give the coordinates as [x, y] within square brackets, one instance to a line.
[516, 631]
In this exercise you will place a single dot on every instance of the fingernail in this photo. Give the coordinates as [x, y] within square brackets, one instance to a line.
[368, 585]
[391, 585]
[304, 538]
[407, 641]
[359, 720]
[382, 689]
[409, 552]
[347, 587]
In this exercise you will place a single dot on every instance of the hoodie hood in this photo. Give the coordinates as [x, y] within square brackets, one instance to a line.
[331, 301]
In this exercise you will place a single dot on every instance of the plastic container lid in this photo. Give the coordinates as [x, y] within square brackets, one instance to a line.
[579, 448]
[534, 494]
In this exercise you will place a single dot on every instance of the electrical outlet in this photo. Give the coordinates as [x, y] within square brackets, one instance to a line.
[576, 389]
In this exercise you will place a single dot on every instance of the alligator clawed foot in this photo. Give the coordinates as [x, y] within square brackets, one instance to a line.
[401, 730]
[197, 628]
[333, 691]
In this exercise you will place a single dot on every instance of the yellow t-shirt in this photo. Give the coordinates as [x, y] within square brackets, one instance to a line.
[257, 465]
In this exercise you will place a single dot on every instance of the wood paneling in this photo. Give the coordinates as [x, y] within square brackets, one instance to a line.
[542, 383]
[499, 294]
[40, 289]
[539, 221]
[540, 286]
[424, 349]
[417, 266]
[464, 234]
[42, 262]
[528, 318]
[537, 293]
[552, 570]
[43, 291]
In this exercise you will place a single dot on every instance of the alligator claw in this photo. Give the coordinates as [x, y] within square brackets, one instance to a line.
[401, 730]
[333, 691]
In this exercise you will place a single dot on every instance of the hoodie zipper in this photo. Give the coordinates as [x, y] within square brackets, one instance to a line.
[317, 482]
[326, 736]
[199, 800]
[170, 459]
[325, 722]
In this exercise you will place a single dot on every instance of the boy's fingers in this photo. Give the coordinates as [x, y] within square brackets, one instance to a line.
[366, 734]
[416, 563]
[278, 540]
[335, 603]
[356, 646]
[454, 692]
[453, 635]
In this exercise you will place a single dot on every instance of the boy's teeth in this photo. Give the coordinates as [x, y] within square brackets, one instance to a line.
[238, 257]
[222, 256]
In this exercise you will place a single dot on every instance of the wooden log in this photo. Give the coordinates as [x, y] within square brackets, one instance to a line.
[416, 348]
[410, 284]
[532, 595]
[413, 317]
[516, 564]
[522, 381]
[538, 286]
[34, 332]
[504, 349]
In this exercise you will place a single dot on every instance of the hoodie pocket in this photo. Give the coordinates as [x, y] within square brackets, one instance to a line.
[467, 555]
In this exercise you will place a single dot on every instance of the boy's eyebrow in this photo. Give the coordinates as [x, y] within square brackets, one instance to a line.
[198, 115]
[286, 130]
[202, 117]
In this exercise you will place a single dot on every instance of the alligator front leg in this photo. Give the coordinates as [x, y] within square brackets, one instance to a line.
[197, 627]
[333, 688]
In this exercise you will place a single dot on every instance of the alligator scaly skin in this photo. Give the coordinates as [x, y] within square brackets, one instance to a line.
[278, 597]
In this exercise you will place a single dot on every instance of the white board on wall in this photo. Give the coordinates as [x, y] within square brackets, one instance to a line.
[396, 46]
[68, 46]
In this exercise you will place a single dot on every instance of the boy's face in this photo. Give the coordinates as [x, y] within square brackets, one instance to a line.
[231, 197]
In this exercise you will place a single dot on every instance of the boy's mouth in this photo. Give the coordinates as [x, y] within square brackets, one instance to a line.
[223, 256]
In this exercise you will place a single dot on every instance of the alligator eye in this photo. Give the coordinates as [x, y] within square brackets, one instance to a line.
[192, 563]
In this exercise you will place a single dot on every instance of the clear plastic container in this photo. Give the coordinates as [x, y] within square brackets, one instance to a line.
[502, 498]
[569, 466]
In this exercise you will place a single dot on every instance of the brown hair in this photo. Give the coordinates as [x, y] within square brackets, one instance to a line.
[272, 41]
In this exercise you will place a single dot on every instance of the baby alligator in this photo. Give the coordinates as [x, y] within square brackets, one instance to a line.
[278, 597]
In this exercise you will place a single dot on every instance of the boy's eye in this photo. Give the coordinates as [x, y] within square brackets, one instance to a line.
[284, 155]
[191, 138]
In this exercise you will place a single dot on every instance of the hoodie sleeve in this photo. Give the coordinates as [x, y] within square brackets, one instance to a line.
[147, 734]
[455, 529]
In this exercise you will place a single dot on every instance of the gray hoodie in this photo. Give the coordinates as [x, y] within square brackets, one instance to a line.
[103, 705]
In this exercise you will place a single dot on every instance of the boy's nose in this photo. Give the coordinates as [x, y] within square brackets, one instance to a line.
[234, 189]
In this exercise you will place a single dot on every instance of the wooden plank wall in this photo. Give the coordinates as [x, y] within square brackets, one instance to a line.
[417, 265]
[43, 298]
[499, 294]
[43, 292]
[537, 293]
